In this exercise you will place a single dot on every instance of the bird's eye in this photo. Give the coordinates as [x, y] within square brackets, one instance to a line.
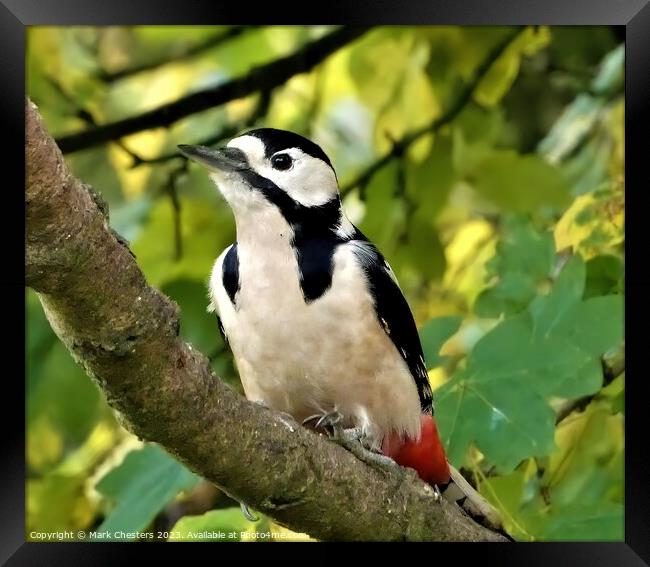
[281, 161]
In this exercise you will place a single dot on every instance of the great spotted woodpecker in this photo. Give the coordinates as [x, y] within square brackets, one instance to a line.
[313, 313]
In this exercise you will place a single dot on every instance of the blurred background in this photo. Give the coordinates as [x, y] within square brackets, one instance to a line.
[486, 164]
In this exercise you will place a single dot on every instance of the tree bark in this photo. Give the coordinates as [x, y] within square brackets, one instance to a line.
[125, 334]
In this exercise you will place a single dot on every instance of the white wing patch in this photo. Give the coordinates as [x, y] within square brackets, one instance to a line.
[215, 287]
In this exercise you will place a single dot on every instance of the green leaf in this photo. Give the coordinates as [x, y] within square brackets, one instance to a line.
[499, 400]
[506, 493]
[127, 218]
[141, 486]
[506, 419]
[589, 460]
[567, 291]
[377, 63]
[595, 325]
[216, 525]
[56, 503]
[599, 521]
[65, 395]
[571, 128]
[524, 258]
[524, 249]
[503, 72]
[513, 293]
[520, 183]
[94, 166]
[429, 182]
[498, 79]
[618, 404]
[604, 276]
[207, 228]
[385, 212]
[611, 75]
[594, 223]
[583, 478]
[546, 364]
[474, 134]
[40, 339]
[434, 334]
[422, 251]
[588, 168]
[577, 494]
[198, 327]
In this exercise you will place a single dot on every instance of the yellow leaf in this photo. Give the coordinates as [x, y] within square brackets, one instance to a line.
[498, 80]
[593, 224]
[44, 444]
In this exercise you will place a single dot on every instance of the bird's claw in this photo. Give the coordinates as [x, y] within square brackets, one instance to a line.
[329, 421]
[351, 439]
[247, 513]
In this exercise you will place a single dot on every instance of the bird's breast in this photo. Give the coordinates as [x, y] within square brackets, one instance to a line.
[304, 357]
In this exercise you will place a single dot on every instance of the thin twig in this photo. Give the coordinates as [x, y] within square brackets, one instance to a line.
[464, 97]
[262, 78]
[210, 43]
[85, 115]
[227, 132]
[579, 404]
[172, 190]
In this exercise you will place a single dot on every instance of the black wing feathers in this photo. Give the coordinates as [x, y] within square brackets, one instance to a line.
[394, 313]
[222, 331]
[230, 272]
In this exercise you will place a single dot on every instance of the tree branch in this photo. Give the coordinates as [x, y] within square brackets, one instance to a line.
[125, 334]
[265, 78]
[400, 146]
[226, 133]
[209, 43]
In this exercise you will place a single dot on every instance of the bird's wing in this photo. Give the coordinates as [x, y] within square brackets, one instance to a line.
[393, 313]
[230, 272]
[224, 284]
[222, 332]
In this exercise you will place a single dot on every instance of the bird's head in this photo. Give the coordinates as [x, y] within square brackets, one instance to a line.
[271, 168]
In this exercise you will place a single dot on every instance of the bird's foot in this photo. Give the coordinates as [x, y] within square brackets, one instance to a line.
[355, 441]
[329, 421]
[247, 513]
[352, 439]
[368, 456]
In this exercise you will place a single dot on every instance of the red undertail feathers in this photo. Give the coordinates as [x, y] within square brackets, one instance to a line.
[427, 455]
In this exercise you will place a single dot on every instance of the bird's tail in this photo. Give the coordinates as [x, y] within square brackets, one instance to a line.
[461, 492]
[427, 456]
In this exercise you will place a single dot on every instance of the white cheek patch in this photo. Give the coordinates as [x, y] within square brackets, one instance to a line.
[309, 181]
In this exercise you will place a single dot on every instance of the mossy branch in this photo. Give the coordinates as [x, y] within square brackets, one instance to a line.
[126, 335]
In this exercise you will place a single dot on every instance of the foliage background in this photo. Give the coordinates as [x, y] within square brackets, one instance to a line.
[505, 227]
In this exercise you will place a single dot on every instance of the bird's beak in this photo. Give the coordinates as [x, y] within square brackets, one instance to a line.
[223, 159]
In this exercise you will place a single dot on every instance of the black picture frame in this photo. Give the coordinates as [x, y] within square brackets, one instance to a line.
[633, 17]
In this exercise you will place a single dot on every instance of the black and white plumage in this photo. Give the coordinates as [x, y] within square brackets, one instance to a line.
[311, 310]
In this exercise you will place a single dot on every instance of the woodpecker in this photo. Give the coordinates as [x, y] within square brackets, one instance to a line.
[310, 308]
